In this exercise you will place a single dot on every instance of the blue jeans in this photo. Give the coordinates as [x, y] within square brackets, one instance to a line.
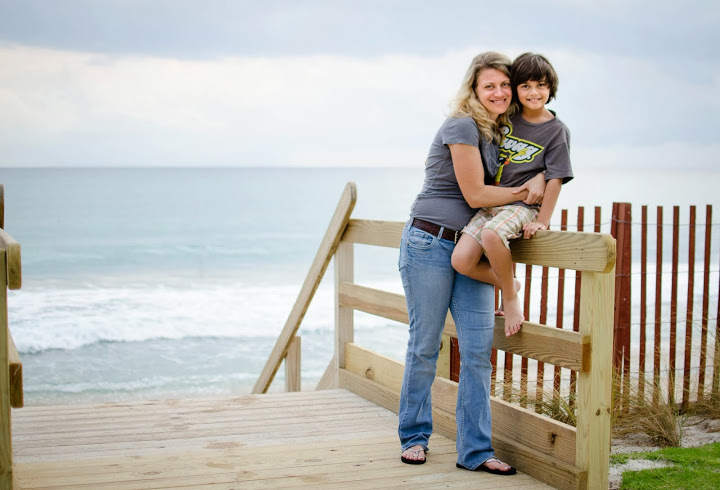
[431, 287]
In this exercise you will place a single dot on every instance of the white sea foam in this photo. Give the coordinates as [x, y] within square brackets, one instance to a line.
[44, 319]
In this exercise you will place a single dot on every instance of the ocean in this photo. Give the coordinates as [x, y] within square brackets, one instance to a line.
[146, 283]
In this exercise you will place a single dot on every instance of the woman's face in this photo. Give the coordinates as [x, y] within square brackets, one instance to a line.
[493, 90]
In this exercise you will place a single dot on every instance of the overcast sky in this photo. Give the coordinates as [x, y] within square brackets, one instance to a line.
[329, 83]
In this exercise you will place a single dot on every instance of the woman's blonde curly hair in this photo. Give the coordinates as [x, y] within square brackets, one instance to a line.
[466, 102]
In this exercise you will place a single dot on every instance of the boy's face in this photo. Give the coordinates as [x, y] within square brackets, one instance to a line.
[533, 95]
[493, 91]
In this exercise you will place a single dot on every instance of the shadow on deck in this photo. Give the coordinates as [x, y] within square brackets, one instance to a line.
[320, 439]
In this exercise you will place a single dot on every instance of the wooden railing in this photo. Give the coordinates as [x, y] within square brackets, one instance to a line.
[555, 453]
[11, 389]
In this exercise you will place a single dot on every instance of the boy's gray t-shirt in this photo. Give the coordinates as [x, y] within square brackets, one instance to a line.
[440, 201]
[531, 148]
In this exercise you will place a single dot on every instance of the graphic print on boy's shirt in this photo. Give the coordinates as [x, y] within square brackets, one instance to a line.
[515, 150]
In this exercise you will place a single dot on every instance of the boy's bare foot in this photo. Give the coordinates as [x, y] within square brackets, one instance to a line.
[513, 316]
[501, 310]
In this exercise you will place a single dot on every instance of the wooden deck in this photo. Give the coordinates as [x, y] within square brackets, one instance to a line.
[320, 439]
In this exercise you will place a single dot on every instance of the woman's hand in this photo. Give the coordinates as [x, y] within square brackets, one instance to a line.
[535, 188]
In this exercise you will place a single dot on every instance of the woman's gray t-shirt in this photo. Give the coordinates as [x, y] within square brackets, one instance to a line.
[440, 201]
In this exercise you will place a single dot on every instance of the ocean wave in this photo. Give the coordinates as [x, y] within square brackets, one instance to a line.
[48, 318]
[42, 319]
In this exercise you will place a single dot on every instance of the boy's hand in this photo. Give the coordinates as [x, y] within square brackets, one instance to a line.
[530, 228]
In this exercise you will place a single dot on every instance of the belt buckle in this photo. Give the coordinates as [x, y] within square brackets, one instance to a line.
[455, 240]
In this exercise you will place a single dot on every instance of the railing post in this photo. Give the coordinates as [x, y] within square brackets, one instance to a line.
[594, 398]
[6, 469]
[292, 366]
[344, 320]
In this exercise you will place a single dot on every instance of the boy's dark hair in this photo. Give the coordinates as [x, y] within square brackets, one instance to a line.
[536, 68]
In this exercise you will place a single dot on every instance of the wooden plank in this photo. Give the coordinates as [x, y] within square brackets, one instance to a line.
[370, 232]
[622, 230]
[576, 307]
[643, 301]
[127, 430]
[327, 248]
[560, 309]
[257, 456]
[374, 391]
[556, 346]
[705, 303]
[524, 364]
[715, 389]
[689, 314]
[563, 249]
[673, 304]
[15, 372]
[293, 361]
[594, 387]
[13, 263]
[564, 348]
[540, 373]
[381, 369]
[515, 423]
[657, 337]
[593, 252]
[174, 406]
[381, 303]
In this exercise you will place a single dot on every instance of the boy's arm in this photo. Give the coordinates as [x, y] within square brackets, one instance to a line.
[542, 222]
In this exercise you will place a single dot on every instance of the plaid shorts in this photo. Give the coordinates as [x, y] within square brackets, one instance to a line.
[507, 221]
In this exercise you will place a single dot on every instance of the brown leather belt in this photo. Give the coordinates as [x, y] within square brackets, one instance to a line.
[434, 229]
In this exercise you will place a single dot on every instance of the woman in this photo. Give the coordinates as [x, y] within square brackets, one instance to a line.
[454, 186]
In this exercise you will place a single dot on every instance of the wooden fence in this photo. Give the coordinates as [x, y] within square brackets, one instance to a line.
[675, 354]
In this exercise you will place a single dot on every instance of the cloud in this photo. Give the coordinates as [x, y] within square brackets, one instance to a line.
[236, 110]
[82, 108]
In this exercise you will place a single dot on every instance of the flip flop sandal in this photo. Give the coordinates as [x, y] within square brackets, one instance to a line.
[416, 452]
[494, 471]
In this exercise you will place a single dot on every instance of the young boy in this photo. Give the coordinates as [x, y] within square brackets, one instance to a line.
[536, 141]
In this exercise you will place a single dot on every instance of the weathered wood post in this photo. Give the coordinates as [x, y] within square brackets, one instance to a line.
[6, 465]
[594, 389]
[292, 366]
[344, 318]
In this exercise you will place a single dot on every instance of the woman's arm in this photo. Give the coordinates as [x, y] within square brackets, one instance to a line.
[471, 178]
[535, 188]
